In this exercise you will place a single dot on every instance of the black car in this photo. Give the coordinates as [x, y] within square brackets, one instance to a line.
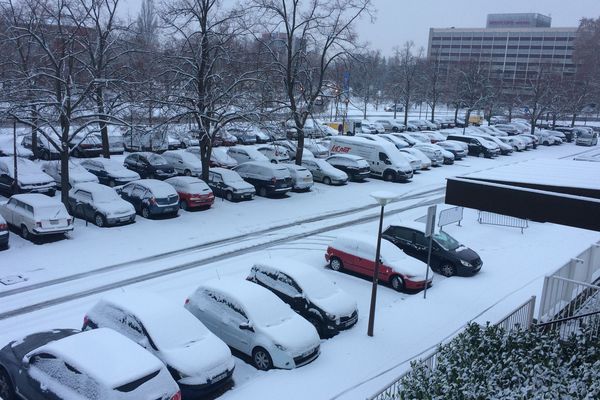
[568, 132]
[149, 165]
[268, 179]
[357, 168]
[151, 197]
[45, 150]
[309, 293]
[476, 146]
[229, 185]
[109, 171]
[448, 256]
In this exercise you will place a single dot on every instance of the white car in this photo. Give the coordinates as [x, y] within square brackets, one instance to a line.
[317, 150]
[197, 359]
[77, 174]
[275, 154]
[4, 234]
[435, 155]
[545, 138]
[301, 177]
[324, 172]
[109, 171]
[425, 162]
[183, 162]
[35, 214]
[243, 154]
[515, 142]
[399, 143]
[254, 321]
[99, 204]
[30, 177]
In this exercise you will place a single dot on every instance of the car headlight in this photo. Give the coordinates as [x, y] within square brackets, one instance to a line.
[330, 316]
[280, 347]
[465, 263]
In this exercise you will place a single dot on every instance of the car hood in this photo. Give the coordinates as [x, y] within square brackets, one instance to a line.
[30, 178]
[124, 174]
[295, 334]
[202, 360]
[116, 207]
[338, 304]
[240, 185]
[466, 253]
[80, 177]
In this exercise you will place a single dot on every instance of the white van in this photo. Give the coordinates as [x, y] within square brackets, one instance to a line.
[383, 158]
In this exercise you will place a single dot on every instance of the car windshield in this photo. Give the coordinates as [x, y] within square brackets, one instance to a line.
[106, 196]
[110, 167]
[156, 160]
[446, 241]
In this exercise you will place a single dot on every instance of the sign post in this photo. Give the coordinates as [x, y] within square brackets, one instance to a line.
[429, 231]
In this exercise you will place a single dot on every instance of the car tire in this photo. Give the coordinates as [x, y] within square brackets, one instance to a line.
[447, 269]
[397, 283]
[336, 264]
[327, 180]
[317, 323]
[6, 390]
[262, 192]
[25, 233]
[112, 183]
[183, 205]
[262, 359]
[145, 212]
[481, 155]
[389, 176]
[99, 220]
[229, 196]
[187, 172]
[273, 161]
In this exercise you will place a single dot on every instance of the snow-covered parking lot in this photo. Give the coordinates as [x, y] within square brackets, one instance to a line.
[351, 364]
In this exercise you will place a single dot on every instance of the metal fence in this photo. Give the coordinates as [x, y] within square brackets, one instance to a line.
[489, 218]
[574, 325]
[522, 317]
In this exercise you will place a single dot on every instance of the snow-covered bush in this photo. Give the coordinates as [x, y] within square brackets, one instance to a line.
[484, 362]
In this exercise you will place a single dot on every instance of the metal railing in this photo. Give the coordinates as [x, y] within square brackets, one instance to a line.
[489, 218]
[574, 325]
[522, 317]
[564, 298]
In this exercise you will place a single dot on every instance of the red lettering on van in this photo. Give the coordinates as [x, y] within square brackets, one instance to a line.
[340, 149]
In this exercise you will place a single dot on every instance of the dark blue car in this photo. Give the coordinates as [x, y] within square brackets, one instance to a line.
[151, 197]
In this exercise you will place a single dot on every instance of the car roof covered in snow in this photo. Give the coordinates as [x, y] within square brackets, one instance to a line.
[419, 226]
[93, 187]
[347, 156]
[158, 188]
[36, 199]
[105, 355]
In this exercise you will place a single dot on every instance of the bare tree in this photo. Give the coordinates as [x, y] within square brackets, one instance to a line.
[304, 39]
[473, 87]
[540, 87]
[407, 75]
[432, 84]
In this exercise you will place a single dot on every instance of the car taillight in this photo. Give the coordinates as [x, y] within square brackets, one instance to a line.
[3, 227]
[69, 221]
[273, 181]
[187, 301]
[152, 200]
[176, 396]
[85, 320]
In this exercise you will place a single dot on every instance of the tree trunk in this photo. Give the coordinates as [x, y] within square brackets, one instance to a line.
[34, 132]
[64, 160]
[205, 152]
[554, 117]
[300, 148]
[406, 104]
[573, 119]
[456, 115]
[432, 111]
[103, 126]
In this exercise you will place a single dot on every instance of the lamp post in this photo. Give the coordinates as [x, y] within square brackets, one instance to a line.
[383, 198]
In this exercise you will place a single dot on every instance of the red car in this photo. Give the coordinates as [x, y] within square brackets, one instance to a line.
[193, 193]
[356, 252]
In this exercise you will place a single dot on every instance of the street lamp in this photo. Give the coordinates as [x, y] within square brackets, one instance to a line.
[383, 198]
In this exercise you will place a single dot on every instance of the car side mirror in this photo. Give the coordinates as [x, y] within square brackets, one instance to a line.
[246, 326]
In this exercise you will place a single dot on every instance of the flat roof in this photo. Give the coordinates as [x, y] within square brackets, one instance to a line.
[505, 30]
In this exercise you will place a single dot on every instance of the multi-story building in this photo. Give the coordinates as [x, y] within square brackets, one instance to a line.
[513, 47]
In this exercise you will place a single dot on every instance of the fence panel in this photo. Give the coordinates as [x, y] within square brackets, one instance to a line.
[489, 218]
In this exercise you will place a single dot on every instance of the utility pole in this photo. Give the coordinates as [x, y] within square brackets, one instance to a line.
[15, 164]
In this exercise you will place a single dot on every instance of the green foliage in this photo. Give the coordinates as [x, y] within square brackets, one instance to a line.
[484, 362]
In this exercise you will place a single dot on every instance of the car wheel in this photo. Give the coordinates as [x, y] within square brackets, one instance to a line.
[388, 176]
[273, 161]
[145, 212]
[481, 155]
[112, 183]
[183, 205]
[336, 264]
[261, 359]
[316, 322]
[327, 180]
[515, 148]
[187, 172]
[397, 283]
[99, 220]
[25, 232]
[262, 192]
[6, 390]
[229, 196]
[447, 269]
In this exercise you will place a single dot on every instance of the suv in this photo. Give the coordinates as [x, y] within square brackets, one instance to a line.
[151, 197]
[268, 179]
[149, 165]
[478, 147]
[309, 292]
[448, 256]
[229, 185]
[357, 168]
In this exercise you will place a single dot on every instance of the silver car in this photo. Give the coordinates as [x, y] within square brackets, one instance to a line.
[301, 177]
[324, 172]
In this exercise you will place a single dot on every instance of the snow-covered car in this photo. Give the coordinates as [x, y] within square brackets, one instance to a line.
[173, 142]
[379, 127]
[261, 137]
[355, 252]
[77, 174]
[99, 204]
[529, 142]
[151, 197]
[193, 192]
[7, 147]
[309, 292]
[435, 136]
[424, 161]
[395, 140]
[183, 162]
[420, 137]
[276, 154]
[301, 177]
[435, 155]
[587, 139]
[225, 138]
[4, 234]
[254, 321]
[85, 144]
[454, 147]
[229, 185]
[504, 147]
[198, 361]
[356, 167]
[67, 364]
[558, 135]
[290, 146]
[109, 172]
[318, 150]
[545, 138]
[268, 179]
[407, 138]
[30, 177]
[243, 154]
[324, 172]
[410, 127]
[391, 125]
[35, 214]
[186, 139]
[244, 136]
[531, 138]
[509, 129]
[478, 146]
[149, 165]
[515, 142]
[420, 124]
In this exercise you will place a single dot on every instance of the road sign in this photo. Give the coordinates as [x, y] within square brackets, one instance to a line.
[450, 216]
[430, 224]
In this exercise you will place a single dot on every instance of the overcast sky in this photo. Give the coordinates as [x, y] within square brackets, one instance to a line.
[400, 20]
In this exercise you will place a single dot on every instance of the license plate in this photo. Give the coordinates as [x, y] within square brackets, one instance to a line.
[306, 179]
[53, 222]
[350, 321]
[169, 209]
[220, 377]
[123, 219]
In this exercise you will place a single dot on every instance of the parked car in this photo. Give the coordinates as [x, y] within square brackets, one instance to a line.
[36, 215]
[395, 140]
[435, 137]
[567, 131]
[509, 129]
[255, 322]
[243, 154]
[447, 156]
[531, 139]
[558, 135]
[448, 256]
[7, 148]
[229, 185]
[244, 137]
[424, 162]
[318, 150]
[4, 234]
[309, 292]
[109, 172]
[183, 162]
[77, 174]
[587, 139]
[302, 179]
[116, 142]
[420, 124]
[261, 137]
[197, 360]
[30, 178]
[224, 138]
[356, 252]
[188, 139]
[149, 165]
[85, 144]
[63, 364]
[407, 138]
[453, 147]
[517, 143]
[419, 137]
[323, 171]
[529, 144]
[276, 154]
[355, 167]
[545, 138]
[99, 204]
[268, 179]
[151, 197]
[505, 148]
[193, 192]
[478, 146]
[392, 125]
[435, 155]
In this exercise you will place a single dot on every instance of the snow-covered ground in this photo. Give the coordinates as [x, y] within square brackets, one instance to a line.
[351, 365]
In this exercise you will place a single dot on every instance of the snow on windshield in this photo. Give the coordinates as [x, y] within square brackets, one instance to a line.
[156, 160]
[106, 196]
